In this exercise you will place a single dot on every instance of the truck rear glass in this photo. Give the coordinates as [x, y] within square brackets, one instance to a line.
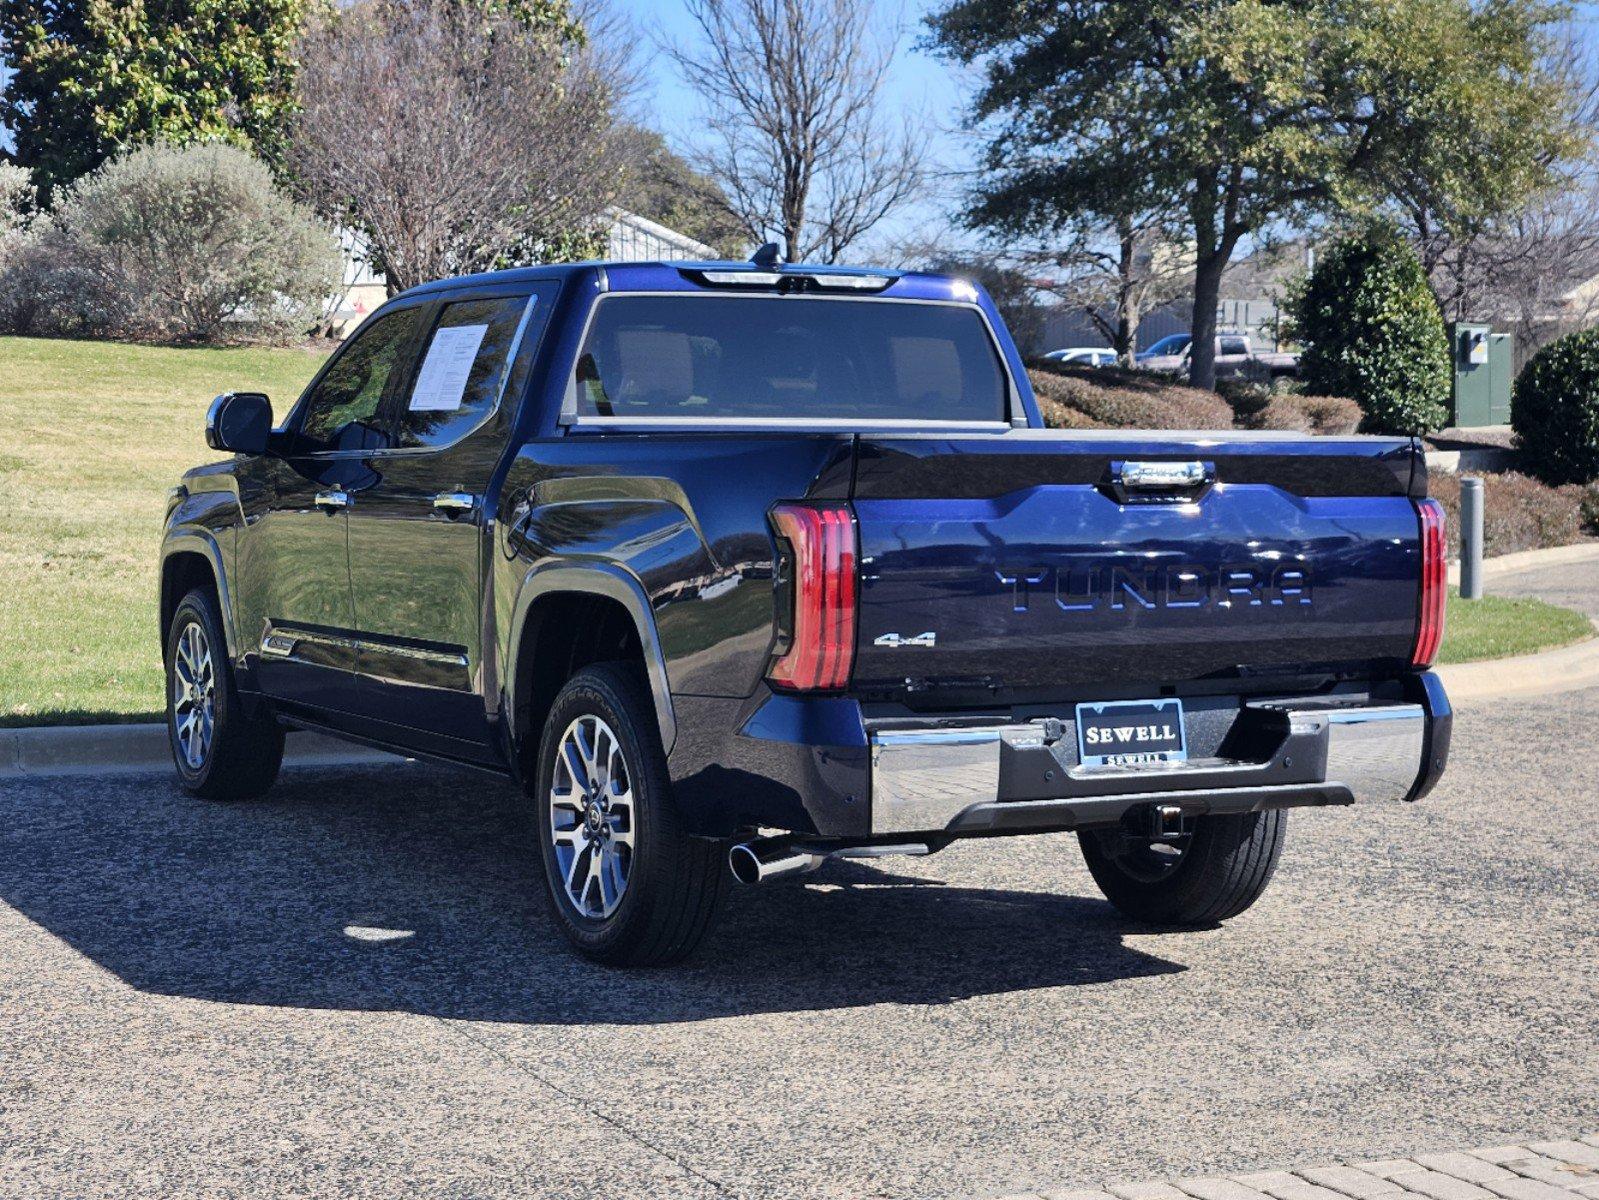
[795, 357]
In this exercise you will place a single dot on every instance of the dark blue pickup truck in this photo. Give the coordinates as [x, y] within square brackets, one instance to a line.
[739, 567]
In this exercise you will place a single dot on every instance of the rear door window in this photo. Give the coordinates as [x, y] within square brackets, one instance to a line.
[740, 357]
[1234, 345]
[462, 371]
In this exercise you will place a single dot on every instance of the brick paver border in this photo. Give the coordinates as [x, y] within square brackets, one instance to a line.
[1558, 1170]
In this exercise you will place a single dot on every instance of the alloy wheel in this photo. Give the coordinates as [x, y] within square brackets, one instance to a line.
[194, 688]
[592, 817]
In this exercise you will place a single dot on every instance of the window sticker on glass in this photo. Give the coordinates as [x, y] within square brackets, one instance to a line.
[441, 383]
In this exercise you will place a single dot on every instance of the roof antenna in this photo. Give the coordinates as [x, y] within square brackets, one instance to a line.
[768, 257]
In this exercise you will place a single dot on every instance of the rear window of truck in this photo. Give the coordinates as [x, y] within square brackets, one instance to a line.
[796, 357]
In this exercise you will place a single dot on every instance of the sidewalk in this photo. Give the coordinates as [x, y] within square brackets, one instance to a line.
[1559, 1170]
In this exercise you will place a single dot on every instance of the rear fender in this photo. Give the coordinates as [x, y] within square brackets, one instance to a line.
[596, 579]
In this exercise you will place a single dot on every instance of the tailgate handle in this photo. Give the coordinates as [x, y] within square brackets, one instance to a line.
[1168, 482]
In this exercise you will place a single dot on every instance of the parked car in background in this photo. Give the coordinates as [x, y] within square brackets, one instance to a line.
[1234, 354]
[1084, 356]
[737, 568]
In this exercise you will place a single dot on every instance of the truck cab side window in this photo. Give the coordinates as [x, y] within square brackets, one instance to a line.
[463, 370]
[342, 412]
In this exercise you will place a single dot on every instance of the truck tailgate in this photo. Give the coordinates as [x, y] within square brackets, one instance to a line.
[1040, 560]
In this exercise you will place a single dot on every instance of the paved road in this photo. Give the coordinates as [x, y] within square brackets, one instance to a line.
[351, 989]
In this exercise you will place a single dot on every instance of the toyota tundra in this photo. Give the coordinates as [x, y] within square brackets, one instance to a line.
[738, 567]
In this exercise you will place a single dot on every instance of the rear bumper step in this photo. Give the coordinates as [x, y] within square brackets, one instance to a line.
[955, 780]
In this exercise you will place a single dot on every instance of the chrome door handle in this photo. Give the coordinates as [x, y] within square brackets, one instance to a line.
[332, 501]
[455, 503]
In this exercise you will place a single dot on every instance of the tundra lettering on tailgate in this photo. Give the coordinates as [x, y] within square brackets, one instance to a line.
[1121, 586]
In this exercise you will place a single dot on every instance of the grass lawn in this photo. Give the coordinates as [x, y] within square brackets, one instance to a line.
[1500, 627]
[93, 433]
[91, 436]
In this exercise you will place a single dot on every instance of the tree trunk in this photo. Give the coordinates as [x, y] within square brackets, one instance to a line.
[1202, 344]
[1127, 314]
[1126, 340]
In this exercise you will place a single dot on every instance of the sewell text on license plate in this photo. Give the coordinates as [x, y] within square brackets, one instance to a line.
[1131, 733]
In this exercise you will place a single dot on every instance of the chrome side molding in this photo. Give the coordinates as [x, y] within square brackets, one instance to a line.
[278, 643]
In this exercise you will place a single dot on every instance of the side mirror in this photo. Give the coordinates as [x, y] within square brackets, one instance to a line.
[240, 422]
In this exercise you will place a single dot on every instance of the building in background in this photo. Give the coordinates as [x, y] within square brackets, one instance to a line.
[630, 238]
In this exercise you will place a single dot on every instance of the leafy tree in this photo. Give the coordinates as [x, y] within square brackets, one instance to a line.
[1246, 113]
[663, 186]
[1372, 331]
[92, 76]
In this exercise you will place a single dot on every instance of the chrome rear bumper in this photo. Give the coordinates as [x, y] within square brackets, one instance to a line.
[948, 780]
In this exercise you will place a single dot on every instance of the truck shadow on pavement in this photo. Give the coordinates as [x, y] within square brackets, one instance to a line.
[417, 890]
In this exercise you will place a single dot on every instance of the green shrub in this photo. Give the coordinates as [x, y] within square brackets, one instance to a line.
[199, 243]
[50, 287]
[1554, 410]
[1372, 332]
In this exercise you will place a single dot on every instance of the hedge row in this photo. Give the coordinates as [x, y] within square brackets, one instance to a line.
[1519, 513]
[1087, 398]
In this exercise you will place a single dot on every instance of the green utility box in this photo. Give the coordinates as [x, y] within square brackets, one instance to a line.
[1482, 362]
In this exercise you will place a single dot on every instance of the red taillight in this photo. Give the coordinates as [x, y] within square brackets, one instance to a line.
[1434, 574]
[821, 645]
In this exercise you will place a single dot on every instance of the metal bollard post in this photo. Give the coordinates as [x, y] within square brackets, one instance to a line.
[1471, 539]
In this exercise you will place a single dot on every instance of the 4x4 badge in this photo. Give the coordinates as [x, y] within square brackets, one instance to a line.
[928, 639]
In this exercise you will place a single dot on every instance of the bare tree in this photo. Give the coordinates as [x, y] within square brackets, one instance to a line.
[1535, 273]
[796, 130]
[1115, 275]
[455, 137]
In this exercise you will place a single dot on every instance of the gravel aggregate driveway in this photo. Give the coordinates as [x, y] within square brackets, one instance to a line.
[351, 988]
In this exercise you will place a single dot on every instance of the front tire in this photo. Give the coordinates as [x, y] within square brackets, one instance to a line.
[629, 887]
[1207, 876]
[221, 753]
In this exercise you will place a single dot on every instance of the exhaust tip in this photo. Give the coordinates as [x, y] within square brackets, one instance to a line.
[744, 864]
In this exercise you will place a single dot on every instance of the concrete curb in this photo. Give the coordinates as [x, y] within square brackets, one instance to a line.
[30, 753]
[1527, 560]
[1549, 671]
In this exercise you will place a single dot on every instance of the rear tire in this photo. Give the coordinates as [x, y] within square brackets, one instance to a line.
[220, 752]
[628, 885]
[1219, 870]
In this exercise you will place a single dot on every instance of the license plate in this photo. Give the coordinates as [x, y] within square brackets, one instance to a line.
[1131, 733]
